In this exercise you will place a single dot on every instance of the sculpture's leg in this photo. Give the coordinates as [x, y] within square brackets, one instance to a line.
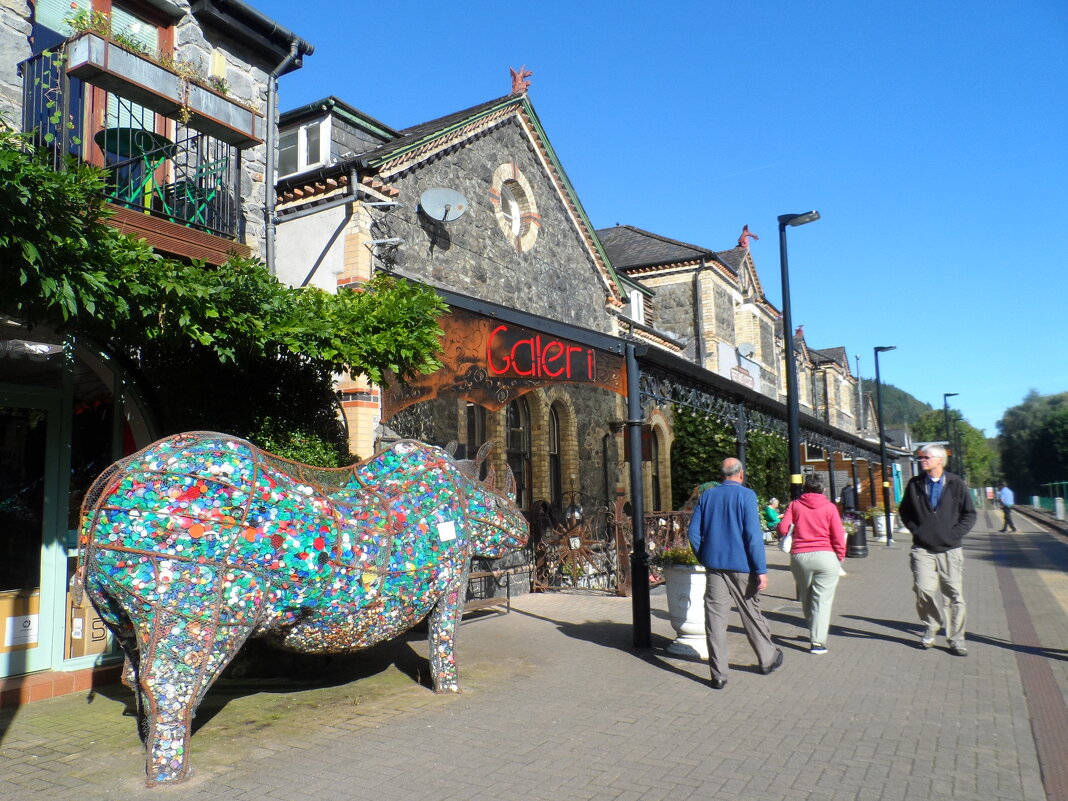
[443, 622]
[183, 656]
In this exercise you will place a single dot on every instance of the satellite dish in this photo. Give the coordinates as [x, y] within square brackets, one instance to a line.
[443, 205]
[746, 350]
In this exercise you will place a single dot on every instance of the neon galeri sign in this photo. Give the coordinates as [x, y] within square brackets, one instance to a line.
[519, 352]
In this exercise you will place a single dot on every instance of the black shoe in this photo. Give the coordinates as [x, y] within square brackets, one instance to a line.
[719, 684]
[767, 671]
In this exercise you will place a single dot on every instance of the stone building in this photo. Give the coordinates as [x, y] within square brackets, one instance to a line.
[174, 100]
[477, 205]
[712, 300]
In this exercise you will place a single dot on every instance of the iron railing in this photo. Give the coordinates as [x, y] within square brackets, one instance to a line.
[155, 164]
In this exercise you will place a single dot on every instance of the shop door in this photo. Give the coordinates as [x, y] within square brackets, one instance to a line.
[29, 479]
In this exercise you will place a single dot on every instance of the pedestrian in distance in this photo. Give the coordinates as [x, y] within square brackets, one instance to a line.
[816, 557]
[1006, 499]
[849, 499]
[726, 537]
[771, 520]
[937, 508]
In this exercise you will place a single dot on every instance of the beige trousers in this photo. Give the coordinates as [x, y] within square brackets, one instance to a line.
[938, 579]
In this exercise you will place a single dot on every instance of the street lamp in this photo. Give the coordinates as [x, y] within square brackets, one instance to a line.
[882, 441]
[793, 410]
[945, 419]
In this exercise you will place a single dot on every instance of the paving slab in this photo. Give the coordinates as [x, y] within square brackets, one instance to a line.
[558, 704]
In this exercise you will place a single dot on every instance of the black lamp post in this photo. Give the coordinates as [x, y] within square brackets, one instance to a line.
[793, 410]
[882, 442]
[945, 417]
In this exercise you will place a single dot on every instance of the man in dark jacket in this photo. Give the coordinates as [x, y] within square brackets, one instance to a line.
[726, 537]
[938, 510]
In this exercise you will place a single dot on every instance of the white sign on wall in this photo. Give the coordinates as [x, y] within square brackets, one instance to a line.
[21, 630]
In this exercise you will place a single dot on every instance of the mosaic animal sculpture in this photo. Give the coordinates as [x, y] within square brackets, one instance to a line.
[201, 540]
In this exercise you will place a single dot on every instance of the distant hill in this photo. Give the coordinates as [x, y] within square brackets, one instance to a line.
[899, 407]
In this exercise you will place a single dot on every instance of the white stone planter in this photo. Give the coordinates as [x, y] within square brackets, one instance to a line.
[895, 524]
[685, 586]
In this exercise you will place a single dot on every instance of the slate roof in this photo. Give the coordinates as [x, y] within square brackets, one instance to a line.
[629, 248]
[836, 355]
[411, 136]
[733, 258]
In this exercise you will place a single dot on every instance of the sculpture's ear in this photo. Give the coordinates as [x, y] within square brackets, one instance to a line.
[451, 448]
[483, 452]
[509, 485]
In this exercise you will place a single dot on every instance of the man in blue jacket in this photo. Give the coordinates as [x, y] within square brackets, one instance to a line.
[725, 535]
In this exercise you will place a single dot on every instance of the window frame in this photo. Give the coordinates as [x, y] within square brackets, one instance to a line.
[303, 164]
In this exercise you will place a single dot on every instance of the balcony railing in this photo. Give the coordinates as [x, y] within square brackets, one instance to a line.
[155, 164]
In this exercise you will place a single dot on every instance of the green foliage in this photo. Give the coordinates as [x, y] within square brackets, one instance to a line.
[308, 447]
[703, 442]
[767, 465]
[64, 266]
[1034, 442]
[224, 348]
[900, 408]
[978, 457]
[674, 556]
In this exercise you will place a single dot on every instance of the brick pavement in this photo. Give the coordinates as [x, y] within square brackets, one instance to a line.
[558, 705]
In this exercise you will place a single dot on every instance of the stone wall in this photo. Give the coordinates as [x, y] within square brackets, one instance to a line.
[15, 32]
[555, 278]
[246, 74]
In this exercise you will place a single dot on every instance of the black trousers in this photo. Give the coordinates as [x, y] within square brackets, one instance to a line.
[1008, 519]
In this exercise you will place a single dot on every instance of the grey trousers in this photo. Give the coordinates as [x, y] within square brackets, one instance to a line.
[724, 588]
[938, 579]
[816, 577]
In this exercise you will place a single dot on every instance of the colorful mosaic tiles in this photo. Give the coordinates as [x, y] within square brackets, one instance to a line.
[202, 540]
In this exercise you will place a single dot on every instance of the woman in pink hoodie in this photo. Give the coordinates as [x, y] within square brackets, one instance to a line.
[815, 558]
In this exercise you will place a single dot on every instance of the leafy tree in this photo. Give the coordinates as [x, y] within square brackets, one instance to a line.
[978, 457]
[702, 442]
[1031, 440]
[899, 407]
[1050, 452]
[223, 347]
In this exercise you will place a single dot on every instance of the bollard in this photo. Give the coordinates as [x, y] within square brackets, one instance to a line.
[1058, 508]
[1035, 502]
[857, 542]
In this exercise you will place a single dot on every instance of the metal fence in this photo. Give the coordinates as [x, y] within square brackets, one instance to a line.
[154, 164]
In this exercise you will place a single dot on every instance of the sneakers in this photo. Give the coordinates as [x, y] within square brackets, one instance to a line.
[817, 648]
[927, 641]
[958, 649]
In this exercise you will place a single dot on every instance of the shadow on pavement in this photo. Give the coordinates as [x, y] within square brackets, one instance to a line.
[913, 632]
[612, 634]
[260, 669]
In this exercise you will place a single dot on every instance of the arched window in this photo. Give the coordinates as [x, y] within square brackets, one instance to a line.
[476, 431]
[655, 472]
[517, 422]
[556, 483]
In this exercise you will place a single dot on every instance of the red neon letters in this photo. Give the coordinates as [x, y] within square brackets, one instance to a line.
[537, 357]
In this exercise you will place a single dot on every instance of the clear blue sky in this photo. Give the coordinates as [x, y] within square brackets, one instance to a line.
[931, 137]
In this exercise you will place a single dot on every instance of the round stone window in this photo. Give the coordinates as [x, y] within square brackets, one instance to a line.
[513, 204]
